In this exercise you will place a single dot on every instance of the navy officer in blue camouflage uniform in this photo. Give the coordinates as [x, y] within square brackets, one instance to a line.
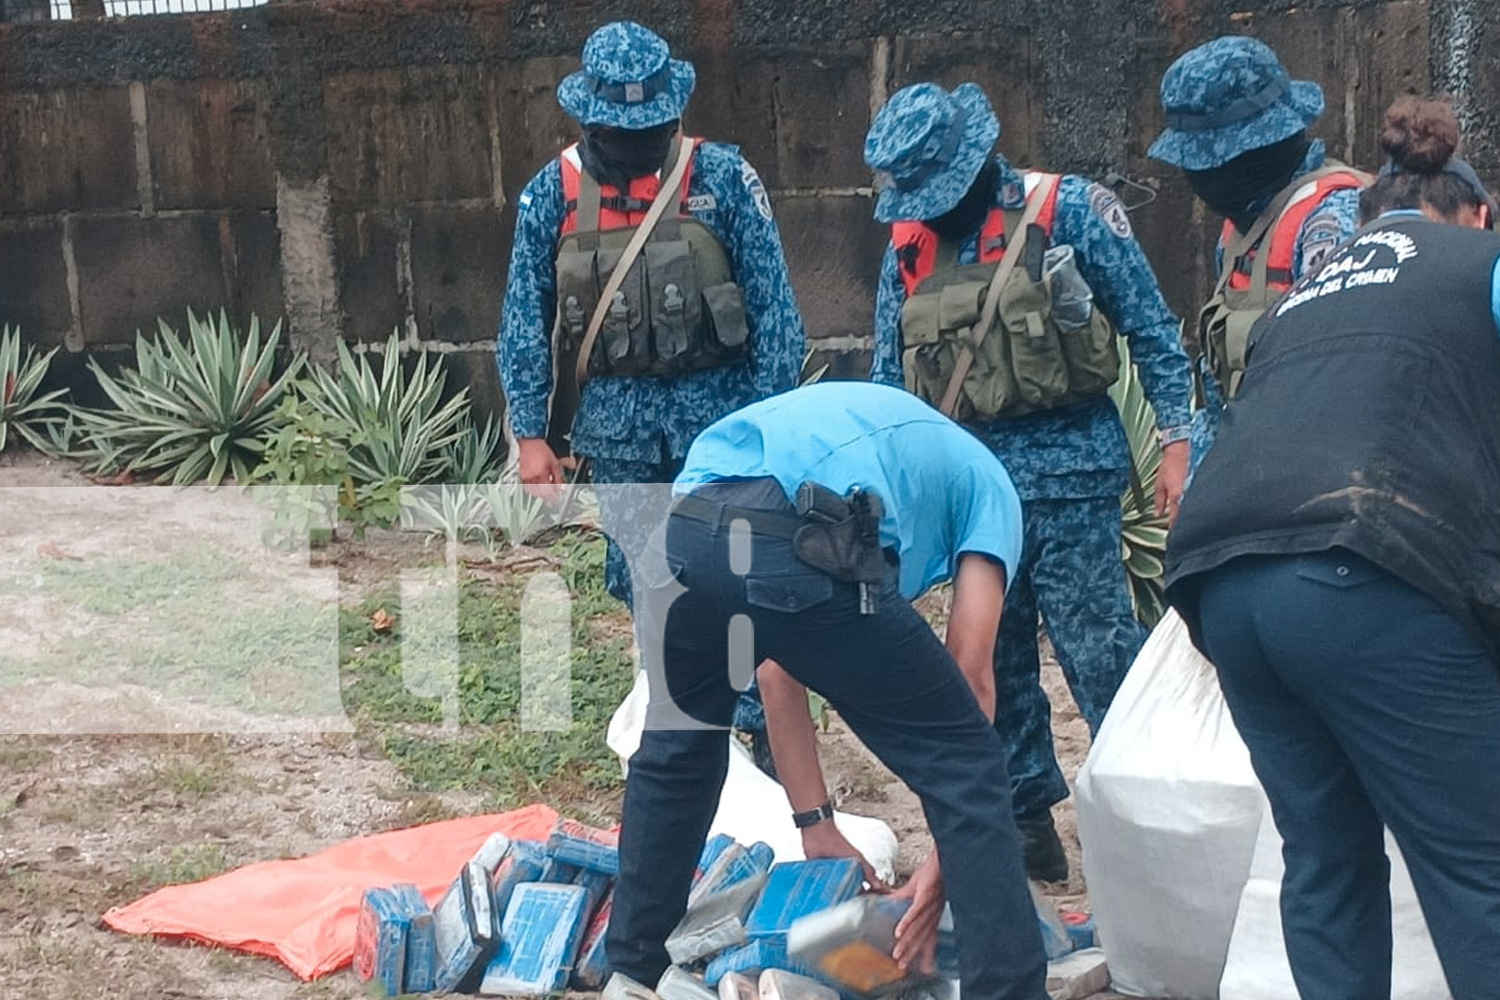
[634, 424]
[935, 151]
[1237, 127]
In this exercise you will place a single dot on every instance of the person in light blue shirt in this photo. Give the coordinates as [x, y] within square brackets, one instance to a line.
[943, 493]
[745, 580]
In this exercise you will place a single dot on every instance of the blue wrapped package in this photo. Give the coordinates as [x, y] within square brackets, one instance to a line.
[524, 862]
[380, 939]
[574, 843]
[538, 940]
[558, 872]
[596, 884]
[712, 848]
[591, 970]
[752, 959]
[734, 864]
[421, 945]
[464, 930]
[797, 888]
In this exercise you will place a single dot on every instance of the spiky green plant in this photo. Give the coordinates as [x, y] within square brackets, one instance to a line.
[191, 409]
[406, 426]
[1143, 540]
[36, 418]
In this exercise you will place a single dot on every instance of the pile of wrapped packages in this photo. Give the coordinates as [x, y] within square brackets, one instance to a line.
[529, 918]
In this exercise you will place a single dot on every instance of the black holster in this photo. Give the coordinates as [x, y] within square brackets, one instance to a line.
[841, 537]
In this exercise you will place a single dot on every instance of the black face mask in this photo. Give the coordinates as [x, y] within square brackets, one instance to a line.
[617, 156]
[1239, 188]
[964, 219]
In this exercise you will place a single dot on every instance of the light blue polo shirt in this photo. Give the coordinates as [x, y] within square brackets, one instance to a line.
[943, 491]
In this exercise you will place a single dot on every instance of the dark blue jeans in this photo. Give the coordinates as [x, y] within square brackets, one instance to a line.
[1365, 705]
[889, 678]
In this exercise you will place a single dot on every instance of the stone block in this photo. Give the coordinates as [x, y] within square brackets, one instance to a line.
[458, 263]
[409, 135]
[1401, 34]
[365, 248]
[34, 282]
[133, 270]
[477, 370]
[210, 144]
[833, 250]
[530, 127]
[1004, 64]
[66, 150]
[253, 266]
[799, 112]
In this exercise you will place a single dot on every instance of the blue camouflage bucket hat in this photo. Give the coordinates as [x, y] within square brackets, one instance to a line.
[1227, 97]
[629, 80]
[926, 146]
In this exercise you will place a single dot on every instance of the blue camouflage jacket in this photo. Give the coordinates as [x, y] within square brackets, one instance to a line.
[1078, 451]
[639, 418]
[1332, 221]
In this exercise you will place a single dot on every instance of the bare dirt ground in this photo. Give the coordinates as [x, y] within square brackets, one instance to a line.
[171, 790]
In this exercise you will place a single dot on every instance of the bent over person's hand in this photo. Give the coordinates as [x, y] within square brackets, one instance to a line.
[917, 932]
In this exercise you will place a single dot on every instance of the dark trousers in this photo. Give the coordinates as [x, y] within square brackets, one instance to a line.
[1071, 571]
[1364, 706]
[889, 678]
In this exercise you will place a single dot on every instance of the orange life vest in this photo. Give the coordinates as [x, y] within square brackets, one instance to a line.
[617, 210]
[1283, 235]
[916, 244]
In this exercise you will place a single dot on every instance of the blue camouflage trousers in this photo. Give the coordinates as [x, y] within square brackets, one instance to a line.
[617, 511]
[1070, 571]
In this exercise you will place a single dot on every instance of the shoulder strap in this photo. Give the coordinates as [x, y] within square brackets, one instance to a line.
[666, 195]
[1013, 253]
[1243, 243]
[586, 217]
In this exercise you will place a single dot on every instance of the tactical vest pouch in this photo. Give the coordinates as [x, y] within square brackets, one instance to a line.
[725, 304]
[1224, 333]
[625, 334]
[1037, 365]
[1026, 363]
[577, 292]
[676, 304]
[1087, 338]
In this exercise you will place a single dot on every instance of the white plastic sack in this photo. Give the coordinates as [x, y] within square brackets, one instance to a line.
[1257, 968]
[752, 806]
[1168, 812]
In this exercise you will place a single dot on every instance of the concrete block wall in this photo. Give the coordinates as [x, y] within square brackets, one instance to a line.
[352, 165]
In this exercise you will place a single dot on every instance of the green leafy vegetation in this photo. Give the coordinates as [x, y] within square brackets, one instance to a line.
[191, 409]
[1143, 540]
[26, 412]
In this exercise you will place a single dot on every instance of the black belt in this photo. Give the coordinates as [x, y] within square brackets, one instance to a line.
[763, 522]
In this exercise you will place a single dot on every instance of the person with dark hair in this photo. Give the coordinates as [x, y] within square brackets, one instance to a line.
[1338, 559]
[1237, 126]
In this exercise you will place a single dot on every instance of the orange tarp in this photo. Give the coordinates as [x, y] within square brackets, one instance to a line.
[303, 911]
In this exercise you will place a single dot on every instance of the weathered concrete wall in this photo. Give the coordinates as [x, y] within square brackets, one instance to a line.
[352, 166]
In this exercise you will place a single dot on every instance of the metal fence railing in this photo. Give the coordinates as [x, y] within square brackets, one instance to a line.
[63, 10]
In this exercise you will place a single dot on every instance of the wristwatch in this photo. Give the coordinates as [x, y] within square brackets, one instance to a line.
[1171, 435]
[813, 817]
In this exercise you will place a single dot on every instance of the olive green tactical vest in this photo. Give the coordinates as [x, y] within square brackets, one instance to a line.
[1035, 356]
[678, 309]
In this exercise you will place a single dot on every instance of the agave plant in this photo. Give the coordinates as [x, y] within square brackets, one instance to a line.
[406, 428]
[38, 419]
[190, 409]
[1144, 537]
